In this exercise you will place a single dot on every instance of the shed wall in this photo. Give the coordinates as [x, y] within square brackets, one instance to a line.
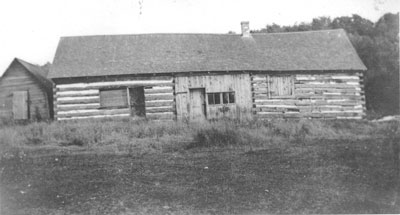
[16, 78]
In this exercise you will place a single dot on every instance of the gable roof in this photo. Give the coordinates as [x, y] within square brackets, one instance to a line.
[170, 53]
[38, 72]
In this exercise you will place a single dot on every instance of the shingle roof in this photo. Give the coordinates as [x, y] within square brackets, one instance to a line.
[169, 53]
[39, 72]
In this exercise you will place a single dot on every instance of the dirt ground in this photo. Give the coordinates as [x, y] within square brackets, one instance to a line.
[322, 176]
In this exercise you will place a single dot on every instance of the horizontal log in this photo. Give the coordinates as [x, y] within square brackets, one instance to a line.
[333, 86]
[91, 117]
[77, 107]
[259, 88]
[303, 90]
[326, 97]
[341, 111]
[264, 96]
[281, 102]
[77, 93]
[93, 112]
[276, 106]
[259, 84]
[98, 85]
[261, 93]
[274, 109]
[151, 97]
[311, 114]
[81, 101]
[159, 103]
[352, 77]
[77, 98]
[329, 76]
[163, 90]
[164, 115]
[159, 109]
[327, 82]
[349, 117]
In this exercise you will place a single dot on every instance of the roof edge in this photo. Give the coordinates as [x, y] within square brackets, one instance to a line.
[43, 80]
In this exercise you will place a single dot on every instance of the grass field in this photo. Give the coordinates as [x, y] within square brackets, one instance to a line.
[123, 167]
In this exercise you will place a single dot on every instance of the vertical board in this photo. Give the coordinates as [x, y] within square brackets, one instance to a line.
[282, 85]
[20, 105]
[238, 83]
[197, 104]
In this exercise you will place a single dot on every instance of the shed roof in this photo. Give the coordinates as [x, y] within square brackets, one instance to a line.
[170, 53]
[38, 72]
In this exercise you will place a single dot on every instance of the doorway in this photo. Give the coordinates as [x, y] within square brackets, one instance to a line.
[197, 104]
[137, 102]
[20, 105]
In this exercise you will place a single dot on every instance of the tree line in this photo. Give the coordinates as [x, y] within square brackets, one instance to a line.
[377, 44]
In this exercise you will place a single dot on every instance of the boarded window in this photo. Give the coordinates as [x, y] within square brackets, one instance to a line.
[280, 86]
[114, 98]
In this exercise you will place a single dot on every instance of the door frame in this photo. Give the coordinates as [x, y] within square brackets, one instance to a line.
[26, 104]
[204, 105]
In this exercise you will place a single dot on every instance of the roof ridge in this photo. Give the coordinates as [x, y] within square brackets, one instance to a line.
[150, 34]
[23, 61]
[211, 34]
[37, 74]
[300, 32]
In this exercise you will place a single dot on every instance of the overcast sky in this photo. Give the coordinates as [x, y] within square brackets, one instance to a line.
[30, 29]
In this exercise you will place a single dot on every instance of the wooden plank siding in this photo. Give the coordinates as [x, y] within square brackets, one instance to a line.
[330, 95]
[17, 78]
[83, 100]
[237, 83]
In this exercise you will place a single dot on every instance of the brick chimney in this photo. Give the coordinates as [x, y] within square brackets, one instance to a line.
[245, 29]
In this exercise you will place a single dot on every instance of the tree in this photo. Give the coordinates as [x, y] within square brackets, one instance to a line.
[321, 23]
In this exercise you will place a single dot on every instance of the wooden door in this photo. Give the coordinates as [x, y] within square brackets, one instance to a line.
[20, 105]
[137, 102]
[197, 104]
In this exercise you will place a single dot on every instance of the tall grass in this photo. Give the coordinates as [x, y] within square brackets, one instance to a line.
[125, 134]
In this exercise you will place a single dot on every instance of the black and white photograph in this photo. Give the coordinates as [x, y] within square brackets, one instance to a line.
[199, 107]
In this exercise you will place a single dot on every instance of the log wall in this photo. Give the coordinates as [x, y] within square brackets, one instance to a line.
[335, 95]
[82, 100]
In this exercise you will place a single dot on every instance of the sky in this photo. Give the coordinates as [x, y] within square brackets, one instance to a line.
[30, 30]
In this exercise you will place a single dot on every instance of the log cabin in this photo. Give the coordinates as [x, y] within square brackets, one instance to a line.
[314, 74]
[25, 92]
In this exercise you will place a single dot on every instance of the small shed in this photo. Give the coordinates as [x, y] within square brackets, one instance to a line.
[25, 92]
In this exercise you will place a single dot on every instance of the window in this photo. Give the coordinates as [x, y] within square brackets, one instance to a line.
[280, 86]
[113, 98]
[221, 98]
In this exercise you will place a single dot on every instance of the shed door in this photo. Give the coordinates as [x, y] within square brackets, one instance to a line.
[197, 104]
[20, 105]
